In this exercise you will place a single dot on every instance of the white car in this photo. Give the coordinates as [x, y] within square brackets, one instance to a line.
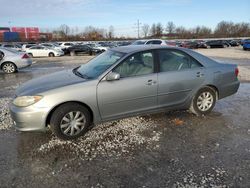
[50, 45]
[65, 45]
[12, 60]
[151, 41]
[27, 46]
[12, 46]
[42, 51]
[99, 47]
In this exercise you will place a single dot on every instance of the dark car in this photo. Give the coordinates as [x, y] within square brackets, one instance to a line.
[217, 44]
[246, 45]
[190, 45]
[81, 49]
[233, 42]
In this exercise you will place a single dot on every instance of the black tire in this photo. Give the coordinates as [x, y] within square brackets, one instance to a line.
[1, 56]
[9, 67]
[51, 54]
[30, 54]
[63, 112]
[197, 107]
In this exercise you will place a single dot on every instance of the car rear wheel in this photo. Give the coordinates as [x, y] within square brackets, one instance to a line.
[72, 53]
[203, 102]
[51, 54]
[9, 68]
[30, 54]
[70, 121]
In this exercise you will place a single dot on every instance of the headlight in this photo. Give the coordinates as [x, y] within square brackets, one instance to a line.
[24, 101]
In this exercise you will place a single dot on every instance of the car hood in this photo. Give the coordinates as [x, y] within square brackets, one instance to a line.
[47, 82]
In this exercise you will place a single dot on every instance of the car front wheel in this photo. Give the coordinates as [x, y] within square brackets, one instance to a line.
[70, 121]
[203, 102]
[9, 67]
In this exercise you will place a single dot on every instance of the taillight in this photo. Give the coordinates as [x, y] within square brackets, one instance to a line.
[25, 56]
[236, 71]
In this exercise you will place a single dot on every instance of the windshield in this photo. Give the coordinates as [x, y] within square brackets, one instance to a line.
[98, 65]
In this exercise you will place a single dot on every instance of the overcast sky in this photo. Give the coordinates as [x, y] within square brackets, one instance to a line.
[122, 14]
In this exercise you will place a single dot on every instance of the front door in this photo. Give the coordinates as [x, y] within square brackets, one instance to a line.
[134, 92]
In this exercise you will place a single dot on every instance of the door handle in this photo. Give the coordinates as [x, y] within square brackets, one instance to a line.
[199, 74]
[151, 82]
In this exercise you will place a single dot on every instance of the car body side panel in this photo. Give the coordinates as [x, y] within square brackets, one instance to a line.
[84, 93]
[176, 87]
[127, 96]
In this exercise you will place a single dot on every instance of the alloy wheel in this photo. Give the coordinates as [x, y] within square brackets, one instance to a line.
[205, 101]
[73, 123]
[9, 68]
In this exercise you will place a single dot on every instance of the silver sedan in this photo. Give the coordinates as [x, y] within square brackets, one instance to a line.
[12, 60]
[122, 82]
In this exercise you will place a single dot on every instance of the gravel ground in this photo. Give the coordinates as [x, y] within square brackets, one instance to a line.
[5, 119]
[109, 139]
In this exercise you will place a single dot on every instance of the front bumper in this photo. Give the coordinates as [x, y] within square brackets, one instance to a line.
[28, 118]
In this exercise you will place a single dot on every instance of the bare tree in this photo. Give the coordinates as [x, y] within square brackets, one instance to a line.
[153, 29]
[170, 28]
[145, 30]
[111, 32]
[159, 30]
[64, 30]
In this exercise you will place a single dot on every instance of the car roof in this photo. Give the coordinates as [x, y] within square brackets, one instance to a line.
[136, 48]
[207, 62]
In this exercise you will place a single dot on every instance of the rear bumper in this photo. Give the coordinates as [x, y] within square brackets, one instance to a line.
[24, 63]
[229, 89]
[28, 118]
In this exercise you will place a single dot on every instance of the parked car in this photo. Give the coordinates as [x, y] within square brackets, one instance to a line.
[12, 60]
[246, 45]
[122, 82]
[82, 49]
[27, 46]
[171, 43]
[65, 45]
[50, 45]
[97, 46]
[12, 46]
[151, 41]
[123, 43]
[217, 44]
[189, 44]
[42, 51]
[233, 42]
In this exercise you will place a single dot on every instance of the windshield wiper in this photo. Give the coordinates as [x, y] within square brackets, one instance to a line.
[79, 74]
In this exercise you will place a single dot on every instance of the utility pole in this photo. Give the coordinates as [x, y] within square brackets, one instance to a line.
[138, 24]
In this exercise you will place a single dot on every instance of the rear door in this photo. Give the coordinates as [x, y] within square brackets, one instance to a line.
[134, 92]
[179, 74]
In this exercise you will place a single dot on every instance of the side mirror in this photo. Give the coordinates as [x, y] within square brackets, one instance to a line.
[112, 76]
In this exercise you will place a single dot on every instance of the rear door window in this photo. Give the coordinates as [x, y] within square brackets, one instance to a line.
[175, 60]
